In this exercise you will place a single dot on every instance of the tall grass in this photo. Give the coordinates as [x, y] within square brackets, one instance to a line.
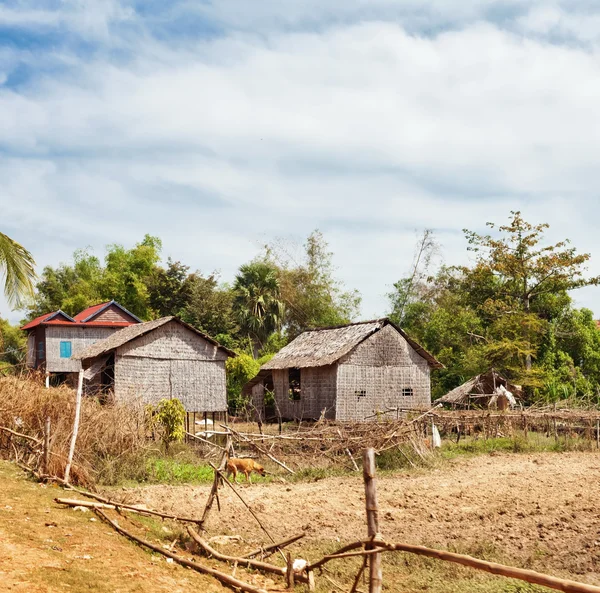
[111, 442]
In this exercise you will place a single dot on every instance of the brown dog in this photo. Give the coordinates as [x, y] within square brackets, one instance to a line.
[245, 466]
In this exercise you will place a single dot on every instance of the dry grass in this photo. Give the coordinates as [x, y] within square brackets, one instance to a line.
[109, 436]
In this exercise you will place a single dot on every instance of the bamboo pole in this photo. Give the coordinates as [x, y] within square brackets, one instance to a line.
[220, 576]
[375, 572]
[75, 426]
[529, 576]
[47, 445]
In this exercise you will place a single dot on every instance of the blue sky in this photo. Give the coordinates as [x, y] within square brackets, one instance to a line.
[219, 126]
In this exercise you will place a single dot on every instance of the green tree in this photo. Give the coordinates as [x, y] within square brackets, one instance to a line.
[12, 347]
[525, 271]
[168, 289]
[313, 297]
[257, 302]
[169, 416]
[209, 307]
[18, 268]
[124, 277]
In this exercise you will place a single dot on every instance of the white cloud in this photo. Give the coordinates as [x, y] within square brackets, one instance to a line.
[360, 128]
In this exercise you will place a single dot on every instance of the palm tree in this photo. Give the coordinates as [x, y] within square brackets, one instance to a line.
[18, 267]
[257, 302]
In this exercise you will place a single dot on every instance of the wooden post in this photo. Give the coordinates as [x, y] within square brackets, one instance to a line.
[375, 573]
[47, 445]
[75, 426]
[289, 572]
[597, 434]
[47, 380]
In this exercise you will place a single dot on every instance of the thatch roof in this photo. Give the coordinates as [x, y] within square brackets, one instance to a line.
[481, 385]
[322, 347]
[132, 332]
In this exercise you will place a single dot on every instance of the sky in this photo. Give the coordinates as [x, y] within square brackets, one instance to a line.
[220, 126]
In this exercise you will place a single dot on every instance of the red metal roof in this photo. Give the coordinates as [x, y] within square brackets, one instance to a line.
[60, 318]
[90, 311]
[38, 320]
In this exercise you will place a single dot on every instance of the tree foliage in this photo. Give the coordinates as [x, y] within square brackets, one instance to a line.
[510, 310]
[18, 268]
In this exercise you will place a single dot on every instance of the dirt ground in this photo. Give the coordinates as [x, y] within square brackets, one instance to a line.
[536, 511]
[45, 548]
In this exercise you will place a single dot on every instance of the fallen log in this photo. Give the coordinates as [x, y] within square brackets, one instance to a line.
[247, 562]
[220, 576]
[529, 576]
[105, 503]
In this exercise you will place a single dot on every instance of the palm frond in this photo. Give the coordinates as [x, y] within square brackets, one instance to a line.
[18, 268]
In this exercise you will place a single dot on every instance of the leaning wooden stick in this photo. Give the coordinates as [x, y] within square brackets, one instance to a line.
[529, 576]
[221, 576]
[19, 434]
[226, 480]
[257, 564]
[214, 491]
[260, 450]
[266, 551]
[359, 575]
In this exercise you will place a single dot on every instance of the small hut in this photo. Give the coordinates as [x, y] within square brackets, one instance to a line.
[488, 390]
[164, 358]
[352, 372]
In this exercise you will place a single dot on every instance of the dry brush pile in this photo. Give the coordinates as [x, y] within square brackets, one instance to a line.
[108, 435]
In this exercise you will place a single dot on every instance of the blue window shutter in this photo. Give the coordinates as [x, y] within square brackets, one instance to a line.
[65, 349]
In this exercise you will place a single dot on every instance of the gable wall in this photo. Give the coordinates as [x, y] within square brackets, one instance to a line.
[113, 314]
[382, 366]
[175, 341]
[172, 361]
[80, 337]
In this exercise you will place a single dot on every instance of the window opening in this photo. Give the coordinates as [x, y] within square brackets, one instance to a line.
[295, 388]
[361, 393]
[407, 392]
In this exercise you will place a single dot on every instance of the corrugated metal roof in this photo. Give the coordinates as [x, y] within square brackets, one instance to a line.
[135, 331]
[321, 347]
[61, 318]
[90, 311]
[49, 318]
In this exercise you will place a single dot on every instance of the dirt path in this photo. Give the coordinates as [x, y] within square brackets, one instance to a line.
[44, 548]
[537, 511]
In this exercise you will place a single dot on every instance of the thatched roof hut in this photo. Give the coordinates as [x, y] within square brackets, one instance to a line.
[348, 372]
[164, 358]
[480, 391]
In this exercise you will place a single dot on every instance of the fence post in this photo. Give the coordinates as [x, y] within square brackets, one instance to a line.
[75, 426]
[47, 445]
[375, 572]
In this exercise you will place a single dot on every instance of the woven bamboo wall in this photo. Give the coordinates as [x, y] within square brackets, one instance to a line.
[380, 367]
[318, 387]
[172, 361]
[80, 338]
